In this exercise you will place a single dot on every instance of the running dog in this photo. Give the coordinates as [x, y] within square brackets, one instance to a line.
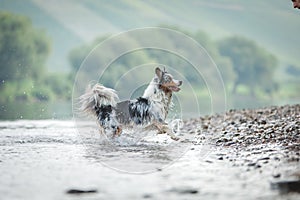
[150, 110]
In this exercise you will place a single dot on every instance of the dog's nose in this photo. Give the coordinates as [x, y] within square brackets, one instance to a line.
[180, 83]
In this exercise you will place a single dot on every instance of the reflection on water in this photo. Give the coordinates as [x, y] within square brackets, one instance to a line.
[63, 109]
[36, 110]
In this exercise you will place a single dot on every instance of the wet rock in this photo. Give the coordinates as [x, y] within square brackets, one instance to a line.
[184, 190]
[287, 186]
[263, 122]
[257, 166]
[230, 143]
[205, 126]
[276, 175]
[147, 196]
[264, 158]
[81, 191]
[251, 164]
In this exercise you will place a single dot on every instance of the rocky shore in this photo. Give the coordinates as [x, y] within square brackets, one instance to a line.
[243, 128]
[267, 140]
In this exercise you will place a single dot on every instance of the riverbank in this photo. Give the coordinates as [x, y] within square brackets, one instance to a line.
[265, 140]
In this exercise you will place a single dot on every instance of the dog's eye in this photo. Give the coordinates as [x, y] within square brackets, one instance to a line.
[168, 78]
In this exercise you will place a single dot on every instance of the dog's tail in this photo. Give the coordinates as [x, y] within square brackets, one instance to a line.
[97, 96]
[101, 102]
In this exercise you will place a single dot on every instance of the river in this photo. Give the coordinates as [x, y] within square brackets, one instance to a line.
[52, 159]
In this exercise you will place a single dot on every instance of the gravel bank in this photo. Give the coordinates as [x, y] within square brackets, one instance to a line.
[266, 140]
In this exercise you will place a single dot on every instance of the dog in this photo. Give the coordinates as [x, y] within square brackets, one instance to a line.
[149, 110]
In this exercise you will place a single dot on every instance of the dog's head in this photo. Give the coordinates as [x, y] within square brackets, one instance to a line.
[166, 81]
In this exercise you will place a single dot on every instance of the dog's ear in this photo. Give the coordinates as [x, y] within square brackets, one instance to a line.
[158, 72]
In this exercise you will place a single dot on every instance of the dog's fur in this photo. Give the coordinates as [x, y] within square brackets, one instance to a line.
[149, 110]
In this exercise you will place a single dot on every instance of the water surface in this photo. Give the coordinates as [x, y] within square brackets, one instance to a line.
[44, 159]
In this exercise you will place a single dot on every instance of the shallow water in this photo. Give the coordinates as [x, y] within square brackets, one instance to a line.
[44, 159]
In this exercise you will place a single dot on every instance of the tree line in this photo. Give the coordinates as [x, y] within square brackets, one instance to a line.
[25, 49]
[241, 61]
[23, 53]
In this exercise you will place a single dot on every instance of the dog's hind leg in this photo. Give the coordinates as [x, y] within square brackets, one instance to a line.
[117, 131]
[101, 130]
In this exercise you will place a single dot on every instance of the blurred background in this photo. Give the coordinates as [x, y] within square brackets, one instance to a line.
[255, 45]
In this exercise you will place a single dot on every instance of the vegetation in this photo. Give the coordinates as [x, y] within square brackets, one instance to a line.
[23, 49]
[240, 60]
[253, 65]
[23, 53]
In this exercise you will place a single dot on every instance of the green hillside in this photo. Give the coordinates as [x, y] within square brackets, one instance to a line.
[71, 23]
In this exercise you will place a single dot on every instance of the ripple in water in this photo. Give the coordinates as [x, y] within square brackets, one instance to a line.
[136, 150]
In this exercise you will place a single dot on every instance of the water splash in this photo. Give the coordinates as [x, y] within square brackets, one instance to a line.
[138, 135]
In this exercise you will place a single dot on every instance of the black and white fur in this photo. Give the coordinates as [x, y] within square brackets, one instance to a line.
[150, 110]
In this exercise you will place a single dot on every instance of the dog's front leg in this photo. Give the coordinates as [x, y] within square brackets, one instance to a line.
[163, 128]
[171, 134]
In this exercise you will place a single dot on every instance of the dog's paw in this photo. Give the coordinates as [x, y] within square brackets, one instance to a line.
[117, 132]
[165, 129]
[172, 136]
[175, 138]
